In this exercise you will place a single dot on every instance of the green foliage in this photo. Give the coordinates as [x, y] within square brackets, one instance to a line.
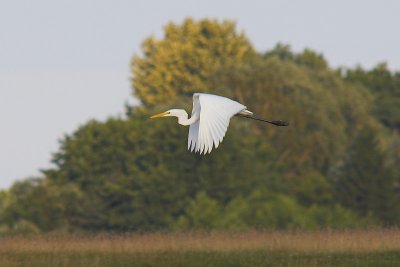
[136, 174]
[264, 210]
[37, 204]
[162, 186]
[275, 211]
[385, 85]
[323, 111]
[313, 188]
[4, 202]
[365, 182]
[307, 58]
[183, 60]
[23, 228]
[387, 110]
[202, 213]
[393, 150]
[337, 216]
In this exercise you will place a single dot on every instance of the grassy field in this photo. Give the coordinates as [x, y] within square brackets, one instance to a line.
[322, 248]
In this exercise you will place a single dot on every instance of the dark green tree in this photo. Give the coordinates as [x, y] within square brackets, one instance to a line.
[365, 182]
[385, 86]
[36, 201]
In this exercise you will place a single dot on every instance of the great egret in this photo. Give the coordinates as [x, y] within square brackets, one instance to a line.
[210, 120]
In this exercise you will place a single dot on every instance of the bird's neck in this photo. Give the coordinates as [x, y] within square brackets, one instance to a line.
[183, 118]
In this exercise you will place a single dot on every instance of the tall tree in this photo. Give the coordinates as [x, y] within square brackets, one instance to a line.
[365, 181]
[182, 61]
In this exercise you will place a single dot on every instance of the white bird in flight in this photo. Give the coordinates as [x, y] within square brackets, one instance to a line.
[210, 120]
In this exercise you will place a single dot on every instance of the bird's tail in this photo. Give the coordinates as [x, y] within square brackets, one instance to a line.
[248, 114]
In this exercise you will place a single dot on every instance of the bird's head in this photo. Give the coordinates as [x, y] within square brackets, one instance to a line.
[170, 113]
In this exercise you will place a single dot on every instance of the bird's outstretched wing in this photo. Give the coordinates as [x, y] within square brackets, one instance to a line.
[215, 114]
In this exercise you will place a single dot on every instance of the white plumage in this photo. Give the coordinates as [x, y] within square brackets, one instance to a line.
[215, 113]
[210, 120]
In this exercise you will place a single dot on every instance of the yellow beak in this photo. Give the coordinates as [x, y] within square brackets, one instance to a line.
[159, 115]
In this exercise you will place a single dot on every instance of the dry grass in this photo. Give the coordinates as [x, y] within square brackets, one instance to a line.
[351, 241]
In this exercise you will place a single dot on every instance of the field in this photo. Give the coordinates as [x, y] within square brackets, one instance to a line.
[258, 248]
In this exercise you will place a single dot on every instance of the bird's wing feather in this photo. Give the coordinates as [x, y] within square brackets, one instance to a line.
[215, 114]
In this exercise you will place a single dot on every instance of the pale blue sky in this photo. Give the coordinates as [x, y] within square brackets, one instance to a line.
[65, 62]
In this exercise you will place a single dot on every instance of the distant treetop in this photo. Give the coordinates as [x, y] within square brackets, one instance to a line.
[183, 60]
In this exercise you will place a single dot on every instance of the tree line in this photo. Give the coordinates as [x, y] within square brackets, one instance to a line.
[336, 166]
